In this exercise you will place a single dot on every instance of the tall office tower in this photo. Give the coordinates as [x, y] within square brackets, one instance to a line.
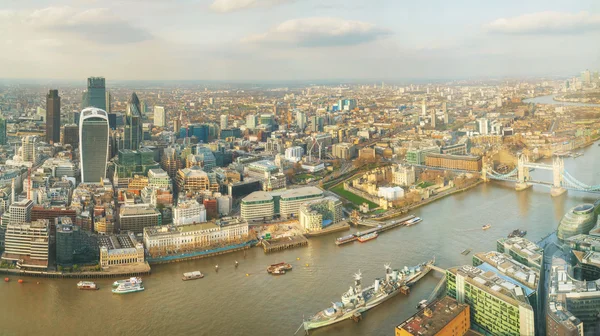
[301, 119]
[95, 96]
[160, 116]
[177, 125]
[423, 108]
[93, 144]
[433, 116]
[108, 102]
[20, 212]
[52, 117]
[133, 124]
[28, 152]
[3, 138]
[445, 110]
[483, 126]
[586, 77]
[251, 121]
[71, 135]
[224, 121]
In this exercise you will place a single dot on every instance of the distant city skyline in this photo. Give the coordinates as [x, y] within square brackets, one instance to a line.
[278, 40]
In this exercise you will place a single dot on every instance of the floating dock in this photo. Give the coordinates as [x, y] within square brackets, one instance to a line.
[279, 244]
[378, 228]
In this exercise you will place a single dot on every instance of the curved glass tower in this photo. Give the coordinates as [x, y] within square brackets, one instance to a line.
[93, 144]
[579, 220]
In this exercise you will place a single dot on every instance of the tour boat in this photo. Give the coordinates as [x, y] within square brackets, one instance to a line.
[87, 285]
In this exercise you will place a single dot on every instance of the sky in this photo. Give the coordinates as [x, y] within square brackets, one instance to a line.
[248, 40]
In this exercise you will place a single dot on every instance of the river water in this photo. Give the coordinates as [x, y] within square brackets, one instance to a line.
[550, 100]
[231, 303]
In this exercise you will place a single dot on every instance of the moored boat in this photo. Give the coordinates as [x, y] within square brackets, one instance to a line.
[128, 287]
[414, 221]
[486, 226]
[132, 280]
[87, 285]
[367, 237]
[466, 251]
[345, 239]
[192, 276]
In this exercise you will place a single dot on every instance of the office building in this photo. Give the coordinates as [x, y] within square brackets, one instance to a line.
[195, 179]
[159, 178]
[121, 249]
[498, 304]
[71, 135]
[261, 205]
[521, 250]
[423, 108]
[578, 220]
[445, 111]
[294, 154]
[483, 126]
[95, 96]
[251, 121]
[586, 77]
[301, 120]
[132, 136]
[318, 214]
[3, 136]
[447, 161]
[75, 246]
[417, 156]
[194, 237]
[93, 144]
[20, 212]
[160, 116]
[433, 118]
[224, 121]
[443, 317]
[344, 150]
[136, 217]
[189, 212]
[29, 149]
[26, 244]
[52, 117]
[109, 107]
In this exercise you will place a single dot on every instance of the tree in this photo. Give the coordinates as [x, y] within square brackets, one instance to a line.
[60, 268]
[75, 268]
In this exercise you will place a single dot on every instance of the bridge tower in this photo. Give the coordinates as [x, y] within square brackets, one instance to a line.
[558, 168]
[522, 173]
[484, 170]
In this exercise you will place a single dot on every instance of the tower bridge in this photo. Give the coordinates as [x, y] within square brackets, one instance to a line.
[562, 180]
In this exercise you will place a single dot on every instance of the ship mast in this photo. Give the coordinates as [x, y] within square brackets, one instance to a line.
[357, 278]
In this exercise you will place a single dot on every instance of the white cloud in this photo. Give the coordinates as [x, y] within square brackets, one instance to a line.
[97, 25]
[227, 6]
[319, 32]
[546, 23]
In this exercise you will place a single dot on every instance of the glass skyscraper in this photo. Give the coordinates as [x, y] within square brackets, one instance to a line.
[95, 96]
[52, 117]
[133, 124]
[3, 138]
[93, 144]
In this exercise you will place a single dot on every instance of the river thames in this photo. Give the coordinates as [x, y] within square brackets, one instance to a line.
[231, 303]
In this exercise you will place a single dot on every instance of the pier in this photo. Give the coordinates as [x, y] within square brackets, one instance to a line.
[280, 244]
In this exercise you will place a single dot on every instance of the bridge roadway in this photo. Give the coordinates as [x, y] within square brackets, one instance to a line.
[437, 269]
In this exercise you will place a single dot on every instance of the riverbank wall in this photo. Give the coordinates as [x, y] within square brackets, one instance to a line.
[115, 272]
[201, 254]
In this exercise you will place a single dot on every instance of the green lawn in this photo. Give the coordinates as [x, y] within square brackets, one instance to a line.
[339, 189]
[425, 184]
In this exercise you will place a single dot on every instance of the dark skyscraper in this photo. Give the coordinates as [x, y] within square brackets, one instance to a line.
[71, 135]
[133, 124]
[3, 138]
[52, 117]
[95, 96]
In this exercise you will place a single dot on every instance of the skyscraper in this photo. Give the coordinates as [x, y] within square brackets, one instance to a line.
[52, 117]
[445, 110]
[301, 119]
[433, 116]
[3, 139]
[133, 124]
[251, 121]
[108, 102]
[224, 121]
[95, 96]
[160, 116]
[93, 144]
[423, 108]
[71, 135]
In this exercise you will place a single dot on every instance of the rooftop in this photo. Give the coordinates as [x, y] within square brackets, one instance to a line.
[523, 247]
[258, 196]
[434, 317]
[172, 229]
[137, 210]
[505, 265]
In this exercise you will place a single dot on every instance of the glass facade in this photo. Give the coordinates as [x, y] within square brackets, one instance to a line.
[579, 220]
[96, 93]
[93, 138]
[3, 138]
[76, 246]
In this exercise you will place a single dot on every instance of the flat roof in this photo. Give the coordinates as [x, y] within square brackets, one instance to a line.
[441, 312]
[258, 196]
